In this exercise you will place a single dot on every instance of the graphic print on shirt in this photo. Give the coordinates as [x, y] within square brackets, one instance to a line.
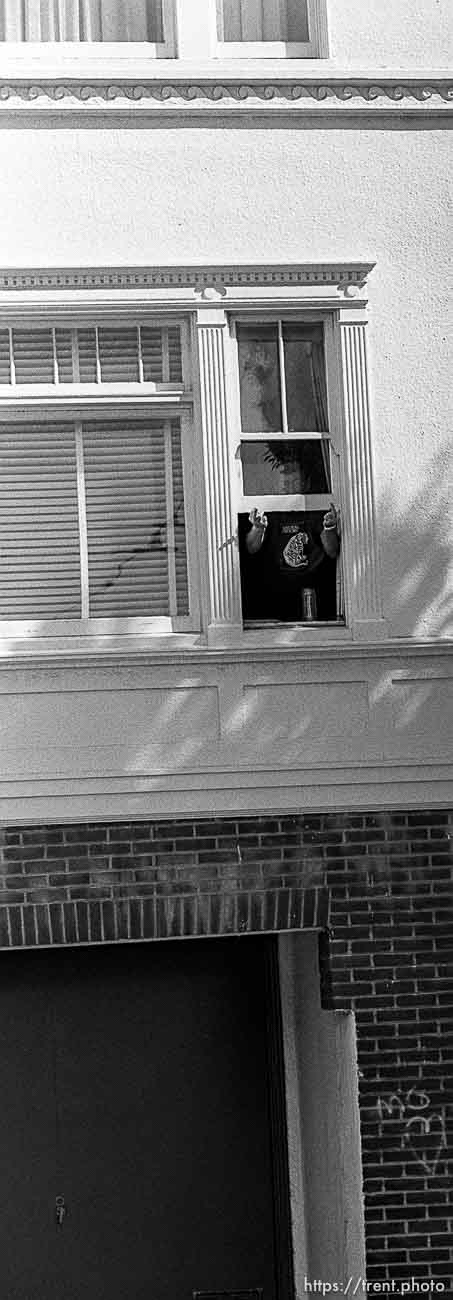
[294, 551]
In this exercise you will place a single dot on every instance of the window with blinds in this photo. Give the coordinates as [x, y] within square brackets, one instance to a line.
[185, 29]
[264, 20]
[92, 520]
[120, 354]
[82, 20]
[272, 28]
[94, 511]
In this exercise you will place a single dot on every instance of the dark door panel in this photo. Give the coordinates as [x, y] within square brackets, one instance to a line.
[28, 1165]
[144, 1081]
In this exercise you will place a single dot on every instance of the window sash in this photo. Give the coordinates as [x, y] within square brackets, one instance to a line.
[290, 502]
[279, 323]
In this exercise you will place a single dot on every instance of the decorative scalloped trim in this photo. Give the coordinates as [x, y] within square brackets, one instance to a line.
[305, 94]
[182, 277]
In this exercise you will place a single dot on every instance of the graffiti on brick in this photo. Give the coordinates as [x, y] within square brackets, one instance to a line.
[423, 1128]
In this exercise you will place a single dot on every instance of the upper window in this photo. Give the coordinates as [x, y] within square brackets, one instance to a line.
[95, 512]
[188, 29]
[269, 28]
[289, 520]
[265, 20]
[92, 354]
[85, 21]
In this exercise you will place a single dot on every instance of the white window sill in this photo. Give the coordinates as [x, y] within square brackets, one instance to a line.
[288, 635]
[136, 652]
[130, 60]
[280, 637]
[100, 646]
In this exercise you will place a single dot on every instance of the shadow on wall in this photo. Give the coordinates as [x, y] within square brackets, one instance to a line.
[417, 555]
[172, 722]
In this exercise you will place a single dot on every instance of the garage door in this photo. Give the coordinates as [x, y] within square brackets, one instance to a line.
[137, 1122]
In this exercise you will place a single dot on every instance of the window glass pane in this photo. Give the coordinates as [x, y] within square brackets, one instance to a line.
[33, 356]
[5, 368]
[81, 20]
[264, 20]
[306, 394]
[259, 378]
[174, 354]
[63, 345]
[39, 523]
[154, 339]
[297, 28]
[290, 562]
[151, 345]
[278, 467]
[87, 355]
[129, 540]
[118, 355]
[179, 522]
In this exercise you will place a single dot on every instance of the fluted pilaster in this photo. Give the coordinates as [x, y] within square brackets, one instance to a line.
[364, 577]
[223, 567]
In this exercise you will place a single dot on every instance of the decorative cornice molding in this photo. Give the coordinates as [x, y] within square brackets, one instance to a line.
[21, 96]
[207, 281]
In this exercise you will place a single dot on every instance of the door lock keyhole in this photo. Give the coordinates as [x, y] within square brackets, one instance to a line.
[60, 1210]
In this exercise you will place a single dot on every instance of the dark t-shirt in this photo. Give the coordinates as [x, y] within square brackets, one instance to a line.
[290, 559]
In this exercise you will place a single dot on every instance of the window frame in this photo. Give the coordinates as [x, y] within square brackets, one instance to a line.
[209, 297]
[78, 403]
[287, 502]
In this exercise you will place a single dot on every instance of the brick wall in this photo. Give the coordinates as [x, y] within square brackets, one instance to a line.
[378, 888]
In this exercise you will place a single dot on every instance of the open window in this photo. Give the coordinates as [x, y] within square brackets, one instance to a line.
[289, 510]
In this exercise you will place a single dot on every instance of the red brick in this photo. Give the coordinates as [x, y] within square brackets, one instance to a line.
[387, 952]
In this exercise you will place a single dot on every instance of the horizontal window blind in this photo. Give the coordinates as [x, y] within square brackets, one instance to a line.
[39, 530]
[264, 20]
[102, 354]
[81, 20]
[132, 495]
[92, 520]
[182, 591]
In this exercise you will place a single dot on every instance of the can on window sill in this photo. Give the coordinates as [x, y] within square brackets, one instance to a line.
[309, 609]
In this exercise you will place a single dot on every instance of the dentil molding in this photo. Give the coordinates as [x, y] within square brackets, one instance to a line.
[209, 283]
[155, 98]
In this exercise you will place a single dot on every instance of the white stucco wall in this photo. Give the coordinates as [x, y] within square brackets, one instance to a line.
[385, 33]
[350, 729]
[203, 195]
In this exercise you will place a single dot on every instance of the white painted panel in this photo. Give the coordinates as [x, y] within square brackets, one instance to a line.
[422, 711]
[100, 718]
[305, 712]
